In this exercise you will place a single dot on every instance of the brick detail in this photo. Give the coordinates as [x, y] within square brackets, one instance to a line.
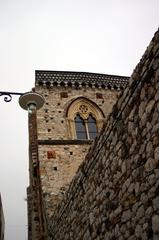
[99, 95]
[64, 94]
[51, 154]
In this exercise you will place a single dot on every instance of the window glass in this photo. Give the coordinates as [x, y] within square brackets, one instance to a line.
[92, 127]
[80, 128]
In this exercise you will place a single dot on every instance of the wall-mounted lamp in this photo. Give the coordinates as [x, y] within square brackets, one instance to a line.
[30, 101]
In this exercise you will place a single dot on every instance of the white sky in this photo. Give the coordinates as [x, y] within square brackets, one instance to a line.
[103, 36]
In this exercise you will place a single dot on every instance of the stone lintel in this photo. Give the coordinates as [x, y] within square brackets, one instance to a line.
[64, 142]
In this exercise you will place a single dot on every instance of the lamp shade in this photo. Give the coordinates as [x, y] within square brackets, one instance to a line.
[31, 98]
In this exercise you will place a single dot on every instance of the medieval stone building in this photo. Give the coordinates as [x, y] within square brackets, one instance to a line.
[76, 106]
[94, 176]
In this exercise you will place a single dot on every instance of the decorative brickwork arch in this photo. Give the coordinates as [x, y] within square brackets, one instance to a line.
[84, 119]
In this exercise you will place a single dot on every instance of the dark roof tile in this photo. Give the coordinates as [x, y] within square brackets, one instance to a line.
[79, 79]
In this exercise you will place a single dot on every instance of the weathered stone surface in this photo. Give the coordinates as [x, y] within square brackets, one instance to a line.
[156, 203]
[138, 231]
[157, 154]
[118, 184]
[155, 224]
[114, 193]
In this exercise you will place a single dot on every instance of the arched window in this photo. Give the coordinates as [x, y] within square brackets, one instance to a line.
[85, 129]
[84, 119]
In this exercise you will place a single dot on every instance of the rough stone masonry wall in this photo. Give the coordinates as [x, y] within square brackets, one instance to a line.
[36, 225]
[57, 170]
[51, 118]
[115, 193]
[58, 163]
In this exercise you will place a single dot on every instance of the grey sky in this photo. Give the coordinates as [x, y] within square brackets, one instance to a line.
[103, 36]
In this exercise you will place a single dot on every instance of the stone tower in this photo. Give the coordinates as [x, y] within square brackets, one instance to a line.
[76, 106]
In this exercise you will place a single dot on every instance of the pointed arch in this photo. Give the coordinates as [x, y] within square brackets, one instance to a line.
[84, 119]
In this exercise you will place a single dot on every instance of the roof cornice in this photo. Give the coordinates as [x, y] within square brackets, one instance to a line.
[79, 80]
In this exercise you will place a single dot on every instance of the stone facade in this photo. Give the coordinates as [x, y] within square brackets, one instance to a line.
[60, 160]
[55, 151]
[115, 192]
[36, 218]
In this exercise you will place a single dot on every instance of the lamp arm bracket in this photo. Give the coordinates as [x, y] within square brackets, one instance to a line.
[8, 95]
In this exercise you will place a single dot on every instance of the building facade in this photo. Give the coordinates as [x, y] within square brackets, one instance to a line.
[76, 106]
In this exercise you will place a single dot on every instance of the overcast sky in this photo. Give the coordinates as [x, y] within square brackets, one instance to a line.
[102, 36]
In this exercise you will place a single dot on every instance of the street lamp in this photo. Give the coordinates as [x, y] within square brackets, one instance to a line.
[30, 101]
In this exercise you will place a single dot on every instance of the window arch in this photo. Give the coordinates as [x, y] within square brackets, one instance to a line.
[84, 119]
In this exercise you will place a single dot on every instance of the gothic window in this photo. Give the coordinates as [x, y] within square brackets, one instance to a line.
[84, 119]
[85, 129]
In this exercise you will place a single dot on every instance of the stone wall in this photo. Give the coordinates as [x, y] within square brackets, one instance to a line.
[58, 164]
[55, 153]
[115, 193]
[36, 213]
[51, 119]
[59, 155]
